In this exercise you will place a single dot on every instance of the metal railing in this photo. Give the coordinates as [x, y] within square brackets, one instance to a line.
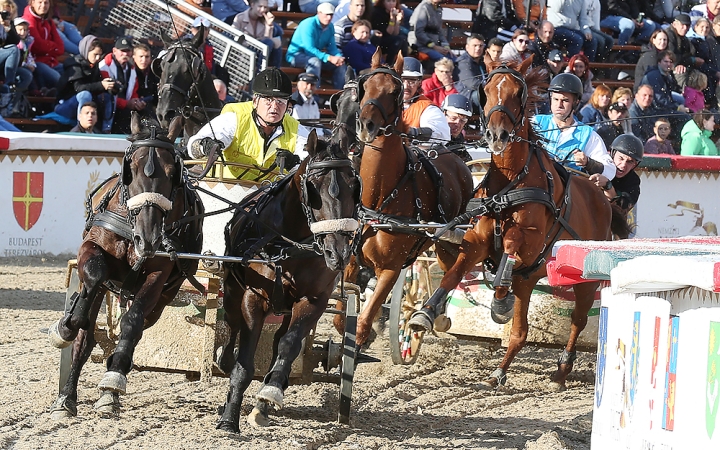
[145, 19]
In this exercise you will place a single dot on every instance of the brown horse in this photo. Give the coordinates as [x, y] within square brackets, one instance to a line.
[401, 185]
[525, 205]
[306, 224]
[148, 208]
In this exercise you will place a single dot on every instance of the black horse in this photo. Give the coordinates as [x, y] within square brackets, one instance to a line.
[306, 223]
[186, 87]
[148, 207]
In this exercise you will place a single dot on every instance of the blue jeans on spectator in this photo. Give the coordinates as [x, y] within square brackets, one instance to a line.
[71, 107]
[47, 76]
[106, 107]
[9, 60]
[605, 43]
[626, 27]
[435, 55]
[7, 126]
[572, 40]
[314, 65]
[311, 6]
[71, 37]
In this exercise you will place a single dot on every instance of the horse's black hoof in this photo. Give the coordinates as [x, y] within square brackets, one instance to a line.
[226, 425]
[502, 310]
[422, 320]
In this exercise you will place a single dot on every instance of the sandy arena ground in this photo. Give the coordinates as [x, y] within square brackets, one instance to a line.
[435, 404]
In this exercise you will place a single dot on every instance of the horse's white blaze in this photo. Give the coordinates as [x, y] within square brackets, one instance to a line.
[499, 86]
[154, 198]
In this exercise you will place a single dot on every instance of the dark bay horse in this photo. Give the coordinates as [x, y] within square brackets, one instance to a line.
[186, 87]
[306, 224]
[402, 185]
[526, 205]
[141, 212]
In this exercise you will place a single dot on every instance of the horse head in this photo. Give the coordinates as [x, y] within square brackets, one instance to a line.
[380, 93]
[185, 80]
[331, 190]
[151, 173]
[346, 105]
[505, 93]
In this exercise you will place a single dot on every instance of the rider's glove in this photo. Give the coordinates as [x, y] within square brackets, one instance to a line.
[209, 146]
[422, 133]
[291, 159]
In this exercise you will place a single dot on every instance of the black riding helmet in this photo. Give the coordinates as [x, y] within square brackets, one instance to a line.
[567, 82]
[628, 145]
[272, 82]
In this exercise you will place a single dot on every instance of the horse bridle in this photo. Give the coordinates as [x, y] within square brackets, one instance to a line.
[388, 129]
[516, 120]
[149, 199]
[320, 228]
[187, 110]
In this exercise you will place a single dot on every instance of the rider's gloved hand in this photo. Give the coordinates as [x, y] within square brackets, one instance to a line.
[291, 159]
[422, 133]
[209, 145]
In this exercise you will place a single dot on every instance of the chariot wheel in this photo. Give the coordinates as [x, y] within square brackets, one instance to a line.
[408, 296]
[349, 357]
[72, 283]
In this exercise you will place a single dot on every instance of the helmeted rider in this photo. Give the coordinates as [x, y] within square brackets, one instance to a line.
[627, 152]
[570, 142]
[255, 132]
[458, 110]
[419, 112]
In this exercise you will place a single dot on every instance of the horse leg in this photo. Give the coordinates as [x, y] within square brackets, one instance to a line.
[385, 281]
[471, 254]
[119, 364]
[92, 271]
[518, 334]
[66, 403]
[249, 323]
[233, 290]
[305, 315]
[584, 298]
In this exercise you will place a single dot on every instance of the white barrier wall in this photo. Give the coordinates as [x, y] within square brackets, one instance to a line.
[44, 181]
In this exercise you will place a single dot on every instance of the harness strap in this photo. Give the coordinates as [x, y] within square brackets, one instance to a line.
[114, 222]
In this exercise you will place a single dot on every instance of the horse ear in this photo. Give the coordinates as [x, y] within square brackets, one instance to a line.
[399, 64]
[526, 64]
[311, 146]
[489, 63]
[376, 60]
[175, 128]
[156, 67]
[167, 40]
[199, 38]
[349, 74]
[135, 126]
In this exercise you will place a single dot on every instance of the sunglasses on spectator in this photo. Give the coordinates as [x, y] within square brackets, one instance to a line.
[522, 41]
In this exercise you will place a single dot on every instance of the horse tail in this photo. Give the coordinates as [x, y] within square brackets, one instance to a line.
[619, 224]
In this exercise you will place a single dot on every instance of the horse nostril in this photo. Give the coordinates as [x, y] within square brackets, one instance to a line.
[138, 242]
[504, 135]
[488, 135]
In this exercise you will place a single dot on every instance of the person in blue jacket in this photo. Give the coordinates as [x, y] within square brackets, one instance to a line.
[313, 47]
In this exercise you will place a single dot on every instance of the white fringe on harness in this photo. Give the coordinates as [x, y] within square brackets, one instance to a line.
[149, 198]
[334, 225]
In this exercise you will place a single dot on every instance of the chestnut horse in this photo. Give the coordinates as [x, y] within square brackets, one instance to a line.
[401, 185]
[526, 203]
[149, 207]
[306, 224]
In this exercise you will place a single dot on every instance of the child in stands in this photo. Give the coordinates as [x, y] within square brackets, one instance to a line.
[660, 144]
[693, 92]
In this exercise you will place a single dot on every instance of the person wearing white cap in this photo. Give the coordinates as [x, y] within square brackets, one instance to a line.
[259, 22]
[313, 47]
[419, 111]
[11, 57]
[206, 49]
[457, 111]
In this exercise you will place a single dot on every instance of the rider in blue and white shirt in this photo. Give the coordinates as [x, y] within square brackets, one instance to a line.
[570, 142]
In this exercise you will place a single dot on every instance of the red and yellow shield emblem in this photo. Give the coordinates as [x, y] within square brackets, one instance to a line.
[27, 197]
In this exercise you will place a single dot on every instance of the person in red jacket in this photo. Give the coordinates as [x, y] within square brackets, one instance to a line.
[118, 65]
[441, 84]
[47, 44]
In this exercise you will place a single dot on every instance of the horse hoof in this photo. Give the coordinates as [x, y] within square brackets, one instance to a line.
[557, 387]
[54, 336]
[108, 405]
[494, 381]
[502, 310]
[226, 425]
[113, 381]
[63, 408]
[421, 320]
[258, 418]
[442, 323]
[271, 394]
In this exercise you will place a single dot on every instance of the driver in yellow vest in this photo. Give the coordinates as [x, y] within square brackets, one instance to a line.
[255, 132]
